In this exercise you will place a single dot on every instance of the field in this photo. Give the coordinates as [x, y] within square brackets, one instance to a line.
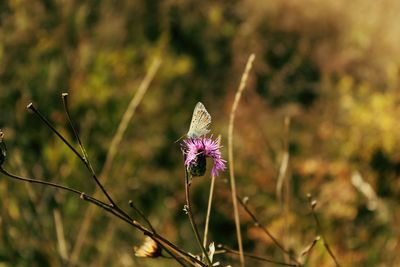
[304, 99]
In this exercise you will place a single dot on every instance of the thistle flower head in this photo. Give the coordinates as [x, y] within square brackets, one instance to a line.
[196, 150]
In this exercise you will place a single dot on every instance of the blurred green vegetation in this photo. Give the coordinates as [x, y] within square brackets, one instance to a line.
[332, 66]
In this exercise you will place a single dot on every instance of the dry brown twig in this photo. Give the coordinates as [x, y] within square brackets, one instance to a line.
[262, 227]
[188, 210]
[210, 199]
[313, 204]
[225, 249]
[110, 207]
[115, 143]
[307, 251]
[235, 104]
[284, 180]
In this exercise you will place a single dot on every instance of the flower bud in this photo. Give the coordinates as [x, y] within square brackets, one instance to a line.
[198, 167]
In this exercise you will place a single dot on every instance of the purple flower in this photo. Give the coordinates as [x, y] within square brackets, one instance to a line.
[196, 150]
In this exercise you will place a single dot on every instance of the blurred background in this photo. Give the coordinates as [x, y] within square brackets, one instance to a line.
[331, 66]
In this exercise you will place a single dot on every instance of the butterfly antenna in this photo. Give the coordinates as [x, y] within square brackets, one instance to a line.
[180, 138]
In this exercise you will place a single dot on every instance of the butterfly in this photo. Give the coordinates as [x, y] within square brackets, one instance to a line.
[148, 249]
[200, 123]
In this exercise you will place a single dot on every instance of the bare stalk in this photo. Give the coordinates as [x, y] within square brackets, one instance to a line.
[210, 199]
[66, 142]
[34, 181]
[253, 256]
[54, 130]
[188, 210]
[238, 95]
[164, 242]
[86, 158]
[141, 215]
[112, 151]
[283, 179]
[114, 210]
[313, 204]
[307, 251]
[266, 231]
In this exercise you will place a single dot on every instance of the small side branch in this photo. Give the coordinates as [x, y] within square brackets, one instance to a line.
[313, 204]
[266, 231]
[169, 247]
[226, 249]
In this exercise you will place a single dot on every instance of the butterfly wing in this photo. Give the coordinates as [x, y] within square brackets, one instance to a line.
[200, 123]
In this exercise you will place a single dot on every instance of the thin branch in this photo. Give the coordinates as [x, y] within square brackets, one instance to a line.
[230, 154]
[188, 210]
[82, 195]
[83, 159]
[43, 119]
[186, 256]
[64, 97]
[310, 247]
[108, 208]
[254, 256]
[210, 199]
[29, 180]
[112, 151]
[141, 215]
[313, 204]
[86, 158]
[209, 205]
[178, 259]
[265, 230]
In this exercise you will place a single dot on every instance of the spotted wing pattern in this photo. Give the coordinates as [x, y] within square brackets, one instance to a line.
[201, 121]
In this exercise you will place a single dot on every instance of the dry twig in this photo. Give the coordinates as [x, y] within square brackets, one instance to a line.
[238, 95]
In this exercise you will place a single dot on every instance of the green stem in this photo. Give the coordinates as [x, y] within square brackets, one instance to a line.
[188, 209]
